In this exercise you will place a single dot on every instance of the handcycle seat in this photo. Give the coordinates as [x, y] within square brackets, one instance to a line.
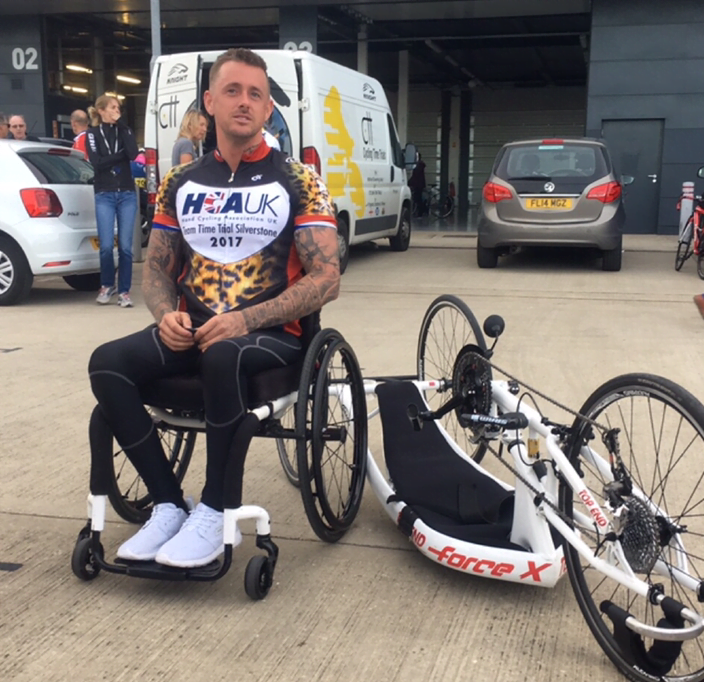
[448, 493]
[185, 391]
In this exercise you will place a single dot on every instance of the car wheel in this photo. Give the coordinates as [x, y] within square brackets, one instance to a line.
[486, 258]
[611, 259]
[146, 230]
[343, 242]
[15, 276]
[89, 282]
[402, 239]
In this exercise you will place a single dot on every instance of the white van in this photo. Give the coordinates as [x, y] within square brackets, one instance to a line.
[331, 117]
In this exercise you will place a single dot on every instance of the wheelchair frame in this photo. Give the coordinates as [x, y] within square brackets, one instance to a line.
[549, 533]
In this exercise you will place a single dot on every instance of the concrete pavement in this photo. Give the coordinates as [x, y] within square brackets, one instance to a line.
[370, 607]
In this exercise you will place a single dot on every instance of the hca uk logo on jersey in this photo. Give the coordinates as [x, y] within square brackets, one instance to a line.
[261, 203]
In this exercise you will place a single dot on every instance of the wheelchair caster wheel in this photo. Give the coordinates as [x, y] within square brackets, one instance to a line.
[83, 563]
[258, 577]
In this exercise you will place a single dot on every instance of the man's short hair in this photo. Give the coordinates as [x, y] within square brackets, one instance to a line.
[242, 55]
[79, 116]
[4, 120]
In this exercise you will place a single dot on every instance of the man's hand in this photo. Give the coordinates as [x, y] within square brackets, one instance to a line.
[220, 327]
[175, 331]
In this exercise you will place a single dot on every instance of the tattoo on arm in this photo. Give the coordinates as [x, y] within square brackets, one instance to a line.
[318, 250]
[160, 273]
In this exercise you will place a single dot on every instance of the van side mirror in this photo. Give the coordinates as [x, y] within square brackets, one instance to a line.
[410, 155]
[700, 172]
[627, 179]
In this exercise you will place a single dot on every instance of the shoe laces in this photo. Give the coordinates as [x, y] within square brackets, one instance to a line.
[162, 514]
[203, 520]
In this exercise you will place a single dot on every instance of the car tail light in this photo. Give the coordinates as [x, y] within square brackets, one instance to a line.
[495, 193]
[606, 193]
[312, 158]
[150, 170]
[41, 203]
[60, 151]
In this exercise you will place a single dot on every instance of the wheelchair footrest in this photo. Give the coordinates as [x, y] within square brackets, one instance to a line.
[151, 569]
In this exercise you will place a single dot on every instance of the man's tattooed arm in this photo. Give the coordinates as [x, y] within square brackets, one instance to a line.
[318, 250]
[161, 271]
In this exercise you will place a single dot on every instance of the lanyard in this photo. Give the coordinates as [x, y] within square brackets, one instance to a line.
[105, 139]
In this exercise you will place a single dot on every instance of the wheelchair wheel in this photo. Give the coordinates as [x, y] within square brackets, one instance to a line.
[332, 460]
[83, 563]
[661, 439]
[448, 325]
[287, 448]
[127, 493]
[258, 577]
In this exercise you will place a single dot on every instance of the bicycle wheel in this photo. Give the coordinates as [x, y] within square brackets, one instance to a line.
[700, 265]
[127, 493]
[684, 246]
[286, 448]
[448, 325]
[662, 526]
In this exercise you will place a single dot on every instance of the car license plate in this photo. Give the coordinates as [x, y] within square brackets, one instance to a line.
[549, 204]
[95, 243]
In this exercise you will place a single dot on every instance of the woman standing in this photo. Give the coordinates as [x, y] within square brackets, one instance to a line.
[111, 146]
[194, 126]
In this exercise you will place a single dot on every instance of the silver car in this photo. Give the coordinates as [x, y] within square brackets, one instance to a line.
[559, 192]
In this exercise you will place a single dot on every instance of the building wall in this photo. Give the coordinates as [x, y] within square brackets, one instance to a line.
[647, 62]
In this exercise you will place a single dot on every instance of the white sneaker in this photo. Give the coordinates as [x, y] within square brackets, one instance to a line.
[105, 294]
[163, 524]
[199, 541]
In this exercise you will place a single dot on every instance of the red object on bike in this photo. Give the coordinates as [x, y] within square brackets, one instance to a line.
[606, 193]
[495, 193]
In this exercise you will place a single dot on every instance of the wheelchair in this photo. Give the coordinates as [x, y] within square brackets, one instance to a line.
[316, 412]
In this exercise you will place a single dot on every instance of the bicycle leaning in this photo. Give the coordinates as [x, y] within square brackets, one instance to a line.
[690, 240]
[435, 203]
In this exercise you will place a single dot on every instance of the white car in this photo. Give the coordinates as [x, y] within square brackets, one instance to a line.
[47, 222]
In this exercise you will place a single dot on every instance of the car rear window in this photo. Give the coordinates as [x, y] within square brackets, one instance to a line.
[553, 161]
[57, 167]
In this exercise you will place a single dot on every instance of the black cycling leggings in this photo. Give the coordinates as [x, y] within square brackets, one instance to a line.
[117, 369]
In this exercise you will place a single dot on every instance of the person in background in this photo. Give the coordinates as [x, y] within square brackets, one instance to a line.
[194, 126]
[4, 127]
[111, 147]
[18, 128]
[417, 185]
[79, 125]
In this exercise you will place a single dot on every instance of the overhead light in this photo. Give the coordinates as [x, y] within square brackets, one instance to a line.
[433, 46]
[76, 67]
[452, 61]
[114, 94]
[75, 88]
[129, 79]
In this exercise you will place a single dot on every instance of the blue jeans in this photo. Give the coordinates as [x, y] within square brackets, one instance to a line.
[123, 206]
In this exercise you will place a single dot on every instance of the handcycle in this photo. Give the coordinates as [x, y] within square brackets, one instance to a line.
[690, 241]
[612, 497]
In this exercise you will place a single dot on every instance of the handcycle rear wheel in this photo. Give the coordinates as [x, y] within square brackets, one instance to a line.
[661, 440]
[448, 325]
[332, 458]
[127, 493]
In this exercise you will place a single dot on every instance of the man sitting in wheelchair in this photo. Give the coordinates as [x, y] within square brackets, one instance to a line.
[243, 246]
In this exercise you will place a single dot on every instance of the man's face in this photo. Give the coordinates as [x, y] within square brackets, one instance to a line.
[4, 130]
[18, 127]
[239, 100]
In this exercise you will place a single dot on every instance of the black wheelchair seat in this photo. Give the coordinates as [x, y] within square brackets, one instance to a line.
[185, 392]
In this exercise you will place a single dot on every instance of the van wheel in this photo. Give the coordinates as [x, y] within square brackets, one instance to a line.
[611, 259]
[90, 282]
[343, 242]
[486, 258]
[401, 240]
[15, 276]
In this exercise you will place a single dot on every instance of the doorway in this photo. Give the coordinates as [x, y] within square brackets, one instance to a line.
[636, 150]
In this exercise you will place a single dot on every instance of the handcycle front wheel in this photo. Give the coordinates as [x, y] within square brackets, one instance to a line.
[661, 528]
[448, 326]
[127, 492]
[332, 458]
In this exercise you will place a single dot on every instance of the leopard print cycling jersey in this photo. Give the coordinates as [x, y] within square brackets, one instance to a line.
[238, 228]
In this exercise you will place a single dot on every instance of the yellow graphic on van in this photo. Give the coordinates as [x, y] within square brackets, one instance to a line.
[348, 179]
